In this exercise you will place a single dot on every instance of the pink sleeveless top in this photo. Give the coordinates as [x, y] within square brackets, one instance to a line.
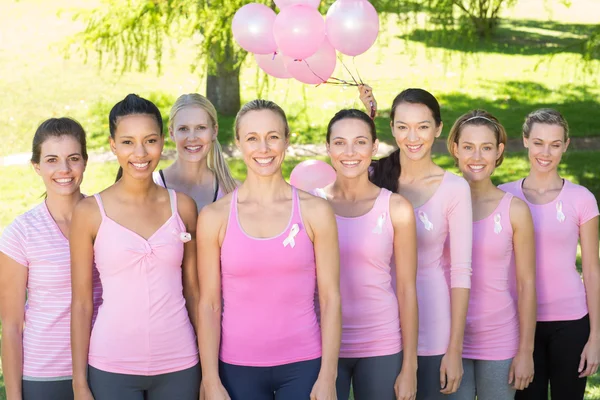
[143, 326]
[370, 321]
[268, 289]
[492, 329]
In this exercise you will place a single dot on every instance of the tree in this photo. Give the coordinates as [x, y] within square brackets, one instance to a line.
[133, 32]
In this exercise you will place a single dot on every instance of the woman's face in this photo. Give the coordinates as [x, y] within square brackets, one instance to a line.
[262, 141]
[415, 130]
[61, 165]
[193, 132]
[477, 152]
[138, 144]
[546, 145]
[351, 147]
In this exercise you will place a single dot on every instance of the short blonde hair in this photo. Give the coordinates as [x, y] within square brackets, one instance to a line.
[215, 160]
[477, 118]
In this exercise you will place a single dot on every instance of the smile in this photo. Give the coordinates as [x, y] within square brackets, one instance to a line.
[140, 166]
[193, 149]
[264, 161]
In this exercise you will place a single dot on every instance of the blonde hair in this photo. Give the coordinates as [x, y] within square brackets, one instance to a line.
[546, 116]
[258, 105]
[477, 118]
[215, 160]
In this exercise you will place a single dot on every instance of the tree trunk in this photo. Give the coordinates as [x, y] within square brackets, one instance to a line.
[223, 89]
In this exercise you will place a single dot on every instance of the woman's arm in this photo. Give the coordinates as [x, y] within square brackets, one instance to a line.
[13, 283]
[325, 239]
[588, 233]
[209, 239]
[460, 226]
[521, 370]
[191, 291]
[405, 253]
[84, 226]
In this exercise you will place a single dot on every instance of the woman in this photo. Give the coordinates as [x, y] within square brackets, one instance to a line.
[567, 336]
[141, 238]
[259, 337]
[200, 171]
[35, 271]
[498, 345]
[374, 225]
[442, 205]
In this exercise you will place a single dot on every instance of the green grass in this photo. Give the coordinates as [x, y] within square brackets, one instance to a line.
[510, 75]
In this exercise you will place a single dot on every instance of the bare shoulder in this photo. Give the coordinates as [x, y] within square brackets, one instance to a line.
[215, 213]
[519, 211]
[400, 208]
[87, 214]
[313, 206]
[186, 206]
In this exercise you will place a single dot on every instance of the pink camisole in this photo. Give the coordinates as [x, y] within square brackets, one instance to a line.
[143, 327]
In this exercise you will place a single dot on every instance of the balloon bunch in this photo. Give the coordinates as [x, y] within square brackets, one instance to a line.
[298, 43]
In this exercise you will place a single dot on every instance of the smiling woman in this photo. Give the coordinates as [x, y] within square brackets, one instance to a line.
[34, 264]
[141, 237]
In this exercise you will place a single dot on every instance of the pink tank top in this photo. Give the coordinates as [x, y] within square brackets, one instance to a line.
[268, 286]
[143, 326]
[492, 329]
[370, 321]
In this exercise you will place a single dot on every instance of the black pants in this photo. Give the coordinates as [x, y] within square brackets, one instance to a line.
[48, 390]
[556, 356]
[180, 385]
[371, 377]
[284, 382]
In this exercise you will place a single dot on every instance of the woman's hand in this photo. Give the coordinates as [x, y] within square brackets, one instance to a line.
[323, 389]
[521, 371]
[406, 385]
[367, 98]
[82, 393]
[214, 392]
[451, 372]
[589, 358]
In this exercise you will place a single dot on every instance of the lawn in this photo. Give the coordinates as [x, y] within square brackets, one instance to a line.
[509, 76]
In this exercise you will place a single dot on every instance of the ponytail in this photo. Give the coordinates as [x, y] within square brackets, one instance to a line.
[217, 164]
[386, 171]
[119, 174]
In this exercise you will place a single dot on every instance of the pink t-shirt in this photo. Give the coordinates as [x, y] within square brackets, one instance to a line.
[560, 291]
[370, 321]
[446, 219]
[143, 327]
[268, 285]
[492, 329]
[36, 242]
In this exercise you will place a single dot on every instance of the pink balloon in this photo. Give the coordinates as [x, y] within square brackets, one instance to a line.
[316, 68]
[352, 26]
[252, 28]
[273, 64]
[299, 31]
[312, 174]
[286, 3]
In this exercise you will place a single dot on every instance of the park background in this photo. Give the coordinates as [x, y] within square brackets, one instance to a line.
[538, 53]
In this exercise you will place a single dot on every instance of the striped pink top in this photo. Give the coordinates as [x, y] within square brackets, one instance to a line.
[36, 242]
[492, 329]
[269, 284]
[370, 320]
[560, 291]
[143, 327]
